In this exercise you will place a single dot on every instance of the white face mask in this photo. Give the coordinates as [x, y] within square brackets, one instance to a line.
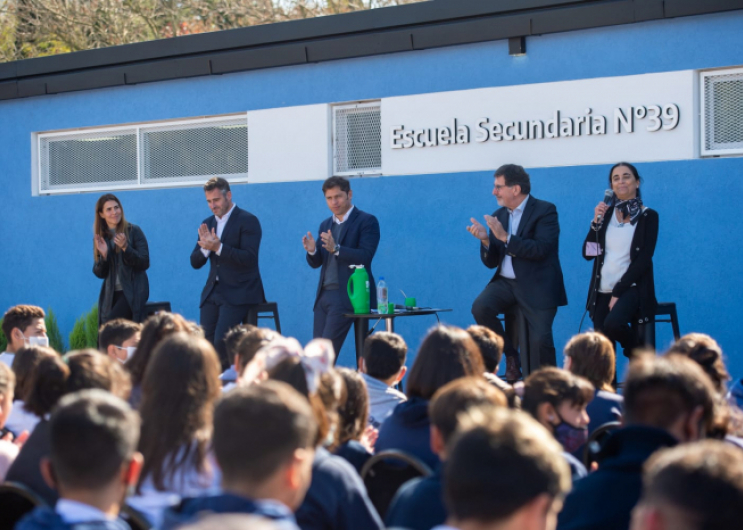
[37, 341]
[129, 352]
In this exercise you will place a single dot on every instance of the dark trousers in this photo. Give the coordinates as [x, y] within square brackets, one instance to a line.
[119, 307]
[329, 320]
[217, 318]
[615, 324]
[500, 296]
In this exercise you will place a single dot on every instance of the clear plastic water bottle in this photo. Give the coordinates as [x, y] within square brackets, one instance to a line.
[382, 296]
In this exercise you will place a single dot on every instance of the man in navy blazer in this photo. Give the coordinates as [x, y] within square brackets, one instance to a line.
[348, 237]
[229, 240]
[522, 244]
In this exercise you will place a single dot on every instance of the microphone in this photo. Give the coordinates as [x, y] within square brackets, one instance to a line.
[608, 198]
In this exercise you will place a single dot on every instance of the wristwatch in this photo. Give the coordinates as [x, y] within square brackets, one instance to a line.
[337, 248]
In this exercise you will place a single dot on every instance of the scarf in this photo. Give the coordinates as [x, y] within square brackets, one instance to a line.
[631, 208]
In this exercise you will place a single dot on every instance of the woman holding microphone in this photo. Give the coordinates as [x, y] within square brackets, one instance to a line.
[621, 242]
[121, 260]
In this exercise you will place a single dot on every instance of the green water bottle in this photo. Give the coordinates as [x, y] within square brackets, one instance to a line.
[358, 289]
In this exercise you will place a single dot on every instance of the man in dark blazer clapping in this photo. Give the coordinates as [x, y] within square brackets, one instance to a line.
[522, 244]
[348, 237]
[229, 240]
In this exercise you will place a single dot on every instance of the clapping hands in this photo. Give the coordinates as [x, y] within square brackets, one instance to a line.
[208, 240]
[101, 246]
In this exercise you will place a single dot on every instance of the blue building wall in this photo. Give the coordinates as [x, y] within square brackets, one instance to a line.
[425, 249]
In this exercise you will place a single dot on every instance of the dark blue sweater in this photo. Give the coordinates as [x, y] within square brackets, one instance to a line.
[408, 429]
[337, 498]
[189, 509]
[355, 453]
[418, 504]
[605, 498]
[45, 518]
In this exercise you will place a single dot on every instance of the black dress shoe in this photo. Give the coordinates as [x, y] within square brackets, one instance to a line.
[513, 369]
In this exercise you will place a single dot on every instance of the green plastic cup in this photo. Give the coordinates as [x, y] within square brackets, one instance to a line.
[409, 303]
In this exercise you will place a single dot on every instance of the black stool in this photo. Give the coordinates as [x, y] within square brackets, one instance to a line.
[151, 308]
[645, 331]
[254, 313]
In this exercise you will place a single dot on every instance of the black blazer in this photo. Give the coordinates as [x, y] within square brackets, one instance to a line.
[358, 240]
[237, 267]
[640, 271]
[534, 254]
[135, 261]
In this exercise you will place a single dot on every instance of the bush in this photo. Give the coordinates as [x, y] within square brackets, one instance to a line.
[3, 340]
[52, 330]
[84, 333]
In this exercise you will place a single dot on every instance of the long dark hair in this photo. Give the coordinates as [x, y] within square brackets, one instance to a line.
[179, 389]
[100, 227]
[155, 329]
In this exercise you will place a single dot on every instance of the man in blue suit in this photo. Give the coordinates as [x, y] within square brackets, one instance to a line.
[348, 237]
[522, 244]
[229, 240]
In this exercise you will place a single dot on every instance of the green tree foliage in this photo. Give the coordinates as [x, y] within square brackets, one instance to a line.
[3, 339]
[84, 333]
[52, 330]
[36, 28]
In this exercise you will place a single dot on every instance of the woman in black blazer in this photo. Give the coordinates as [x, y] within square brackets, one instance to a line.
[621, 242]
[121, 259]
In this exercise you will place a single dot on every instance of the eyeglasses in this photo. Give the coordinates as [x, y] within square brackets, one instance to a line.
[498, 187]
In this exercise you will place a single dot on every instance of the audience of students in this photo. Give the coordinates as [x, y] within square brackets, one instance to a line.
[504, 472]
[667, 400]
[55, 377]
[24, 366]
[92, 462]
[266, 469]
[419, 503]
[231, 339]
[119, 338]
[179, 390]
[382, 365]
[23, 325]
[491, 348]
[276, 451]
[446, 353]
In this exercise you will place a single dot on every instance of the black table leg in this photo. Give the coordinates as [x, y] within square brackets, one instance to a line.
[359, 329]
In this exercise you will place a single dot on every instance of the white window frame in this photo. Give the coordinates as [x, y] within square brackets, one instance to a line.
[703, 112]
[176, 182]
[377, 103]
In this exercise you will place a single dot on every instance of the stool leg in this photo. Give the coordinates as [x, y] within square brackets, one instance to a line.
[675, 323]
[252, 317]
[276, 320]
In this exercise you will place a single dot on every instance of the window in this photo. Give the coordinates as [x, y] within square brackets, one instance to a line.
[722, 112]
[176, 153]
[357, 139]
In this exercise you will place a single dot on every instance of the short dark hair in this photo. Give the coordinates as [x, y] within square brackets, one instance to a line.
[705, 351]
[499, 461]
[592, 356]
[92, 369]
[490, 344]
[446, 353]
[513, 175]
[458, 396]
[249, 454]
[703, 481]
[251, 342]
[217, 183]
[92, 433]
[233, 337]
[659, 390]
[20, 316]
[24, 365]
[115, 332]
[353, 412]
[555, 386]
[384, 354]
[336, 182]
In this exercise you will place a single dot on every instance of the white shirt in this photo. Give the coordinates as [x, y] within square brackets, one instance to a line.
[73, 512]
[20, 420]
[506, 268]
[338, 222]
[382, 400]
[617, 253]
[221, 221]
[7, 358]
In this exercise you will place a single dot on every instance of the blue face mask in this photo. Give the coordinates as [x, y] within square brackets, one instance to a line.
[570, 436]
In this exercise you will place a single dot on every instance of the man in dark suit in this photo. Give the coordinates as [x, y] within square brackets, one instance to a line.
[522, 244]
[348, 237]
[229, 240]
